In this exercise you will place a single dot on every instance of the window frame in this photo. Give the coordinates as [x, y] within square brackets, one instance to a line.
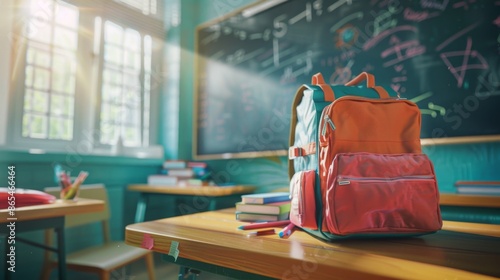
[86, 115]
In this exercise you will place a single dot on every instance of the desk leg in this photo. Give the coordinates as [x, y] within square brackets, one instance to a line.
[140, 212]
[188, 273]
[61, 253]
[213, 204]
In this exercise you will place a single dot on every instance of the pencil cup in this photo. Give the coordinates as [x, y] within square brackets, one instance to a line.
[70, 193]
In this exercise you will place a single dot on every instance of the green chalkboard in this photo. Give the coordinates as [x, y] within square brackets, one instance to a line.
[443, 55]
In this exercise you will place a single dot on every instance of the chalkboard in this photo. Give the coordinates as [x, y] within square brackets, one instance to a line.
[443, 55]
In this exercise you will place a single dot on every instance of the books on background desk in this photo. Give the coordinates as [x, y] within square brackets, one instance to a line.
[478, 187]
[181, 173]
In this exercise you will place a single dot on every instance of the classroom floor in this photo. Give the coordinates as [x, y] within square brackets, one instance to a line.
[164, 271]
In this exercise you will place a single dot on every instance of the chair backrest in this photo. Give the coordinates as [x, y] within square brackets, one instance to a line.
[95, 191]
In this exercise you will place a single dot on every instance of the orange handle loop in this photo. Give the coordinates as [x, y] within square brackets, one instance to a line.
[370, 83]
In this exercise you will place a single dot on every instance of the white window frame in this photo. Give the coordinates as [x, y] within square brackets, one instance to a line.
[86, 113]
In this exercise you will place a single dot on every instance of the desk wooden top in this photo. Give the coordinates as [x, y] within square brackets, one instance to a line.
[451, 199]
[192, 190]
[56, 209]
[213, 238]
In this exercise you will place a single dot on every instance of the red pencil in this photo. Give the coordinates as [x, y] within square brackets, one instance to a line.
[265, 225]
[261, 232]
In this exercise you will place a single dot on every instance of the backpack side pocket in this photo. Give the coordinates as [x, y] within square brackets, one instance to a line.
[303, 202]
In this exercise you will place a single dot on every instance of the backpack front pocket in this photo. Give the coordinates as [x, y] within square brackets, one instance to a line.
[381, 194]
[378, 205]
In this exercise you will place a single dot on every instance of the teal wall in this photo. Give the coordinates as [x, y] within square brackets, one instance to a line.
[452, 162]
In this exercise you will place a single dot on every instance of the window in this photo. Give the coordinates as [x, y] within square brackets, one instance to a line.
[122, 97]
[85, 76]
[50, 72]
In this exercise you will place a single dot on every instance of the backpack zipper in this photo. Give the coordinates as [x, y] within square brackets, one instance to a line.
[347, 180]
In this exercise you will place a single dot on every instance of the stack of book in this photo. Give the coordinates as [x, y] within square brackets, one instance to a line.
[181, 173]
[263, 207]
[478, 187]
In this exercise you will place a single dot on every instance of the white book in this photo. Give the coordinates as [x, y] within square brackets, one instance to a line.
[163, 180]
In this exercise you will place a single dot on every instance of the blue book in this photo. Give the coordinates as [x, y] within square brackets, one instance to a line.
[263, 198]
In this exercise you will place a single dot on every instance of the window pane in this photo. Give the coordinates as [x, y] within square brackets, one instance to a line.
[40, 102]
[132, 40]
[60, 128]
[61, 106]
[113, 33]
[38, 127]
[66, 16]
[65, 38]
[63, 77]
[42, 78]
[113, 54]
[28, 80]
[28, 97]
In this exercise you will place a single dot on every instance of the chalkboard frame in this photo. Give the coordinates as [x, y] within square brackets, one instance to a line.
[438, 140]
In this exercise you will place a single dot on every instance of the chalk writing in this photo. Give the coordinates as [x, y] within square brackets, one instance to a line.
[464, 4]
[307, 14]
[384, 20]
[412, 15]
[337, 5]
[455, 36]
[459, 71]
[342, 75]
[402, 50]
[422, 97]
[343, 21]
[435, 4]
[497, 21]
[376, 39]
[318, 7]
[280, 27]
[440, 109]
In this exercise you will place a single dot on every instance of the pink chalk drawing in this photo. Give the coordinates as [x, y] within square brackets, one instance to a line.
[434, 4]
[412, 15]
[341, 75]
[456, 35]
[463, 4]
[467, 54]
[382, 35]
[402, 50]
[497, 21]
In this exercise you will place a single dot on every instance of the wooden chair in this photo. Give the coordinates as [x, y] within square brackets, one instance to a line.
[101, 259]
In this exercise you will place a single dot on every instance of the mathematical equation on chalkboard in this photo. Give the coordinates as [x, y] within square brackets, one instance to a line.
[442, 55]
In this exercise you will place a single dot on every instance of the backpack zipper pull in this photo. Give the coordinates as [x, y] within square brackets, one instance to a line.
[344, 182]
[327, 121]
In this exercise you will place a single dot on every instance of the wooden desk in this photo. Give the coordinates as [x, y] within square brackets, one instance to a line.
[46, 216]
[210, 241]
[450, 199]
[210, 192]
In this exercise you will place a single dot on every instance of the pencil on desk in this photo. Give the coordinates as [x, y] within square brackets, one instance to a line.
[261, 232]
[286, 231]
[265, 225]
